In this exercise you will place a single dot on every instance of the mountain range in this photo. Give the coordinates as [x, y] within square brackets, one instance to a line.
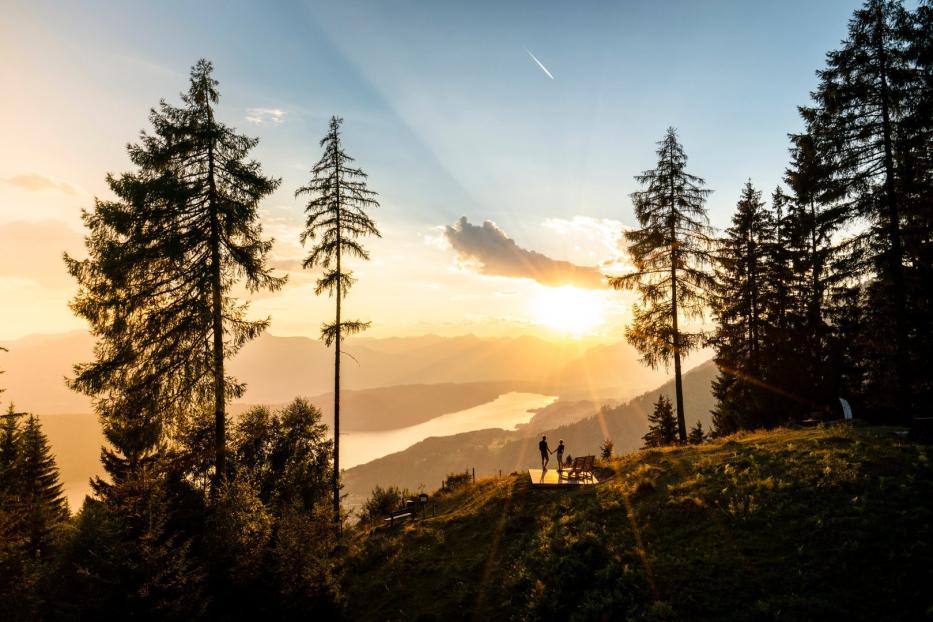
[277, 369]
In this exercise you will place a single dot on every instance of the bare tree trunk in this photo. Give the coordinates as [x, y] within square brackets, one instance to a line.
[336, 482]
[678, 384]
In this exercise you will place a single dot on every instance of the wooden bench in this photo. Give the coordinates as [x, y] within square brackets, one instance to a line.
[582, 467]
[400, 514]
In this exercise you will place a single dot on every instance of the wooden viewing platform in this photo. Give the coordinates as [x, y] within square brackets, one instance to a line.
[550, 478]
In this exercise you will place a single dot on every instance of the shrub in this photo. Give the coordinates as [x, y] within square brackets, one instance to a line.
[457, 480]
[381, 502]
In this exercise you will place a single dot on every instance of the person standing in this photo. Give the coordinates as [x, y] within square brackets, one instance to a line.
[545, 453]
[560, 455]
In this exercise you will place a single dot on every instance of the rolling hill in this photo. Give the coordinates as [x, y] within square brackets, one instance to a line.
[831, 523]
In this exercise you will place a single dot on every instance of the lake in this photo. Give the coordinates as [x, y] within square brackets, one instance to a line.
[76, 439]
[507, 411]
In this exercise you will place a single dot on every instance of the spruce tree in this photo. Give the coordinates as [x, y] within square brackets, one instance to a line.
[9, 450]
[697, 435]
[742, 319]
[671, 254]
[337, 217]
[662, 426]
[2, 349]
[163, 260]
[39, 488]
[815, 215]
[918, 195]
[858, 123]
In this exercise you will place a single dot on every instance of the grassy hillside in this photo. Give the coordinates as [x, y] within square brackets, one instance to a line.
[489, 451]
[816, 524]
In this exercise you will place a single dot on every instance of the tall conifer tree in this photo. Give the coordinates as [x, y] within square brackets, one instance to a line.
[337, 217]
[163, 259]
[858, 123]
[742, 332]
[671, 253]
[40, 489]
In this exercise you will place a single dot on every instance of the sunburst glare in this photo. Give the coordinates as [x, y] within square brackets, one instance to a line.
[569, 310]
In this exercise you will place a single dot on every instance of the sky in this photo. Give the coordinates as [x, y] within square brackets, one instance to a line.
[502, 137]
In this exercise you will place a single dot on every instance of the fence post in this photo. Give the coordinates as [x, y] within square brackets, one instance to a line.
[474, 475]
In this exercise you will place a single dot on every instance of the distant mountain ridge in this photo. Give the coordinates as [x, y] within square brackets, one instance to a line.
[489, 451]
[277, 369]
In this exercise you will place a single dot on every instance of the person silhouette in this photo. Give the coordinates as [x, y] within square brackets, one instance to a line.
[560, 455]
[545, 453]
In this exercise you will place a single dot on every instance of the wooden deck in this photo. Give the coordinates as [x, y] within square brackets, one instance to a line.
[550, 478]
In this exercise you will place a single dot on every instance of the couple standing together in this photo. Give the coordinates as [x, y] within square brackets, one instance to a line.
[546, 454]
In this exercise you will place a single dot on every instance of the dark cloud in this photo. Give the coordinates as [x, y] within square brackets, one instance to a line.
[499, 255]
[36, 182]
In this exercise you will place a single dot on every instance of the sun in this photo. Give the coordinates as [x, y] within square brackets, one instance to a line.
[569, 310]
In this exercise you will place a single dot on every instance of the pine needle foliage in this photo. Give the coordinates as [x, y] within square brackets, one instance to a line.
[662, 426]
[671, 252]
[162, 261]
[337, 218]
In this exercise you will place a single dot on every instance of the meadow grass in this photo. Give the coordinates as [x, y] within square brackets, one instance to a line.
[822, 523]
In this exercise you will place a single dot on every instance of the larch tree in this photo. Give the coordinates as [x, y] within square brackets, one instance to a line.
[162, 261]
[337, 218]
[671, 253]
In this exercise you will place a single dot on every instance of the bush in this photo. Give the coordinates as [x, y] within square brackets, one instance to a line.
[381, 502]
[457, 480]
[605, 450]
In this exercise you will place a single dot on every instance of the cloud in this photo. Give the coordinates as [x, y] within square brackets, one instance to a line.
[494, 253]
[265, 116]
[598, 238]
[35, 182]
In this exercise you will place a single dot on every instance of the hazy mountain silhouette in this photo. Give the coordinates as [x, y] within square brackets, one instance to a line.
[489, 451]
[276, 369]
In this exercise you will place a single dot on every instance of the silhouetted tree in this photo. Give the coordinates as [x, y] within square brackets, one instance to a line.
[40, 488]
[337, 217]
[2, 349]
[858, 123]
[163, 258]
[662, 426]
[9, 450]
[285, 454]
[33, 516]
[743, 390]
[671, 253]
[697, 436]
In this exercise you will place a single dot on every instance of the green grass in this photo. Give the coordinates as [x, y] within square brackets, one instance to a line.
[817, 524]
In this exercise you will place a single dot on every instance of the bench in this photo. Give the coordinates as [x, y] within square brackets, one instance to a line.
[582, 467]
[400, 514]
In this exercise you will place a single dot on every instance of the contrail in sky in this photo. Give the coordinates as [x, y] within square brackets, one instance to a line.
[540, 64]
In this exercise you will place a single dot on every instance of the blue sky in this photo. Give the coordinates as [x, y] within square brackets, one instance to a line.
[443, 107]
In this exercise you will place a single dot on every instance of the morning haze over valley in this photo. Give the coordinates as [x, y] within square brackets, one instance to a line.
[448, 310]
